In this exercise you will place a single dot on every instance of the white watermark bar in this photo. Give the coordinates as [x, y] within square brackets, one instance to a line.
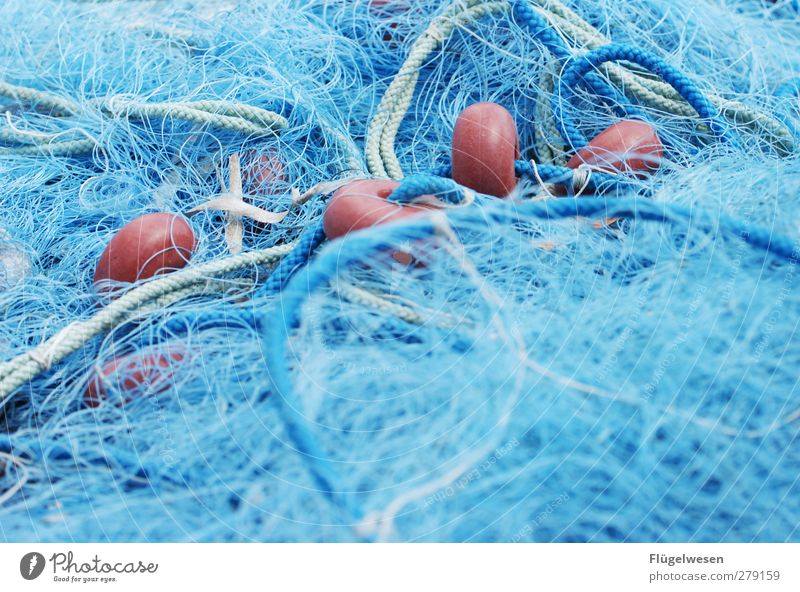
[400, 567]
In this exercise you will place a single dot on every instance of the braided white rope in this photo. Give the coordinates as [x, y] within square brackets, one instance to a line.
[381, 158]
[152, 296]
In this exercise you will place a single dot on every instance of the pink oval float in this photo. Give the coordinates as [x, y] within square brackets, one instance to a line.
[362, 204]
[626, 147]
[485, 146]
[147, 246]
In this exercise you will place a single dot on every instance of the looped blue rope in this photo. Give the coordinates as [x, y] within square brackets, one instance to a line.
[443, 188]
[298, 425]
[577, 70]
[548, 173]
[311, 238]
[544, 32]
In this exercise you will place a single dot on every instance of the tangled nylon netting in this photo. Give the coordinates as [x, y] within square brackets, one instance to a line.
[617, 365]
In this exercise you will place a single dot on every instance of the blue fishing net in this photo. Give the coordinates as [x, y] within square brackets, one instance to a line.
[616, 365]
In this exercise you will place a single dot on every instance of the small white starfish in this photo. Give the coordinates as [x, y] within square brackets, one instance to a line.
[231, 201]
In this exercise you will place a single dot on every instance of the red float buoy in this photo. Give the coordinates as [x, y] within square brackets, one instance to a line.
[147, 246]
[362, 204]
[130, 374]
[626, 147]
[485, 146]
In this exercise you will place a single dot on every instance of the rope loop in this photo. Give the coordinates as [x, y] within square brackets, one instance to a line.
[580, 67]
[446, 190]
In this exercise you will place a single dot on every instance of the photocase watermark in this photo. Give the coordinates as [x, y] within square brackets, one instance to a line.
[67, 569]
[669, 359]
[323, 338]
[724, 296]
[526, 531]
[384, 370]
[167, 452]
[31, 565]
[472, 475]
[611, 362]
[777, 307]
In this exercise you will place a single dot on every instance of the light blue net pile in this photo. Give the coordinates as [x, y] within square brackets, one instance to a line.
[609, 367]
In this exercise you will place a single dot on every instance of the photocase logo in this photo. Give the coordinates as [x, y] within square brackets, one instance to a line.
[31, 565]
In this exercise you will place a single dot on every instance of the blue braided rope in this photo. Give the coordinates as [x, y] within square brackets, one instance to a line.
[445, 189]
[444, 170]
[592, 60]
[542, 30]
[299, 426]
[548, 173]
[311, 238]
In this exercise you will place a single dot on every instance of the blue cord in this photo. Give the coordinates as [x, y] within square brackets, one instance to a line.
[583, 69]
[311, 238]
[548, 173]
[444, 170]
[298, 425]
[572, 75]
[544, 32]
[445, 189]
